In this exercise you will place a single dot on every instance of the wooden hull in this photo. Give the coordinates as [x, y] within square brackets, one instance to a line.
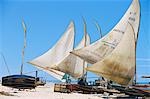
[61, 88]
[132, 91]
[85, 89]
[19, 81]
[143, 87]
[67, 88]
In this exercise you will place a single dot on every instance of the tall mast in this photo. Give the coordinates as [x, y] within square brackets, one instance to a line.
[24, 46]
[135, 67]
[74, 36]
[100, 32]
[136, 44]
[135, 53]
[66, 76]
[85, 33]
[99, 29]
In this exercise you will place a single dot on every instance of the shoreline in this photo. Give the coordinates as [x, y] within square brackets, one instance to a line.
[40, 92]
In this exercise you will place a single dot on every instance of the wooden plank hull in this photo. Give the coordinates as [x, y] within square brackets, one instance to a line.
[132, 91]
[19, 81]
[61, 88]
[67, 88]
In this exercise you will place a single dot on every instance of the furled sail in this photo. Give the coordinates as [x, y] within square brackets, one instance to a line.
[119, 66]
[58, 53]
[72, 64]
[103, 47]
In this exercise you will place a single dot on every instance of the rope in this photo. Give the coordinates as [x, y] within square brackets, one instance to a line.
[5, 63]
[31, 72]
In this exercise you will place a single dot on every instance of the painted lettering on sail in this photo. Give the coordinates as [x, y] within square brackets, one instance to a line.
[132, 15]
[120, 31]
[119, 65]
[132, 19]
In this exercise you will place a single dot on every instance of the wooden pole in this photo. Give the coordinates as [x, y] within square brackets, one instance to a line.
[85, 33]
[23, 50]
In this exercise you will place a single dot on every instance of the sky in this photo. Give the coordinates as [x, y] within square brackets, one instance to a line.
[46, 21]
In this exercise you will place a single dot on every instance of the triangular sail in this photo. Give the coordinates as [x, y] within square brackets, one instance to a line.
[119, 66]
[54, 73]
[58, 53]
[73, 65]
[103, 47]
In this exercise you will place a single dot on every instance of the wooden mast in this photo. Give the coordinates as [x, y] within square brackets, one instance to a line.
[135, 53]
[99, 29]
[85, 33]
[23, 50]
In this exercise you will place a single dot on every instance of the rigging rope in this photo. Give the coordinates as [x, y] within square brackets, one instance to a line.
[31, 72]
[5, 63]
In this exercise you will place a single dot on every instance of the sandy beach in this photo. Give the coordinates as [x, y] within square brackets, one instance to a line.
[42, 92]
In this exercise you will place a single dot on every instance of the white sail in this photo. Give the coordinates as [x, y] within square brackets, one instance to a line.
[119, 66]
[54, 73]
[58, 53]
[72, 64]
[103, 47]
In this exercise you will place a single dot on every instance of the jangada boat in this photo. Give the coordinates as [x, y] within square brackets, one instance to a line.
[21, 81]
[58, 61]
[114, 55]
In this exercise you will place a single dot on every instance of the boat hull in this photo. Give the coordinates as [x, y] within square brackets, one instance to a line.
[68, 88]
[132, 91]
[19, 81]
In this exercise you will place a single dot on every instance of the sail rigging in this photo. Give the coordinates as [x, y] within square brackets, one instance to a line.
[119, 66]
[104, 46]
[5, 63]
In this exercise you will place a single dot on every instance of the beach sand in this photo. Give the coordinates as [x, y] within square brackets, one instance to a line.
[41, 92]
